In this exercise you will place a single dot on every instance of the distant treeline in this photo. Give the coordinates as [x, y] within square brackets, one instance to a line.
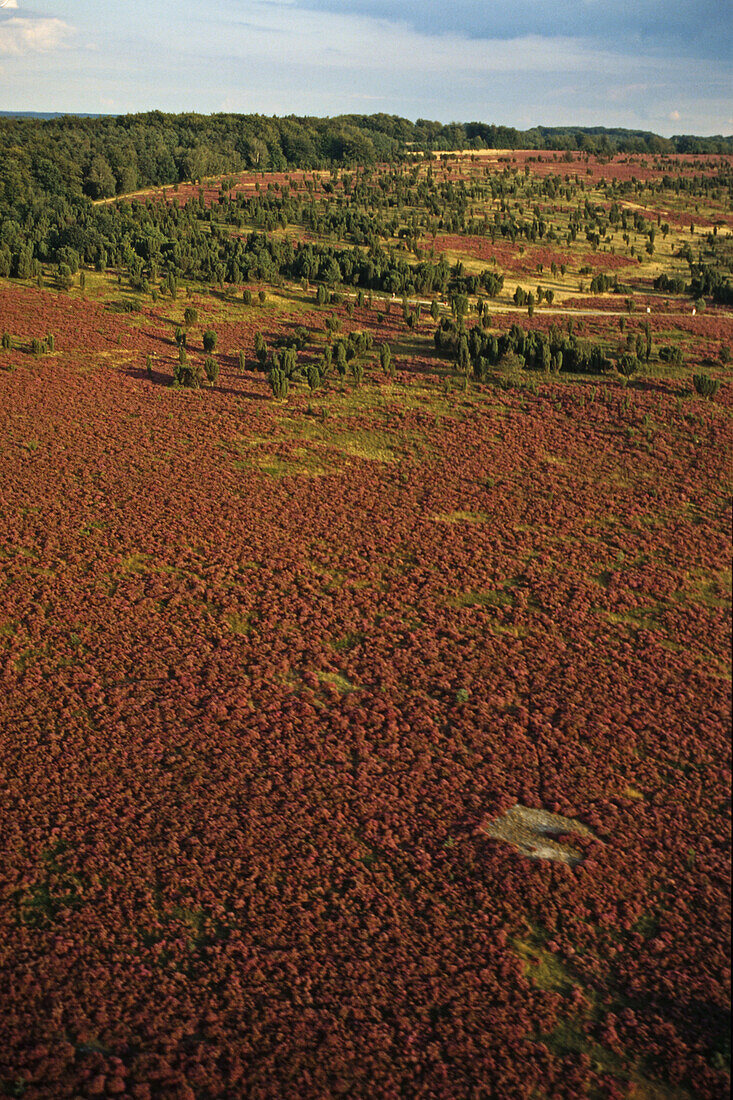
[74, 156]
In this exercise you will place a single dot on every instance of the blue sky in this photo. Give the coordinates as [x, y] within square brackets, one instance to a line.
[662, 65]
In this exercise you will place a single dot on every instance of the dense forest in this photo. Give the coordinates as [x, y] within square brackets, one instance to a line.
[72, 156]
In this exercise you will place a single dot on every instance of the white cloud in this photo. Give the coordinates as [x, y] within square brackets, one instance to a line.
[325, 57]
[266, 32]
[20, 36]
[674, 116]
[8, 3]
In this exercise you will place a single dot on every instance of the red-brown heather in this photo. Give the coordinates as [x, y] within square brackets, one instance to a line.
[266, 667]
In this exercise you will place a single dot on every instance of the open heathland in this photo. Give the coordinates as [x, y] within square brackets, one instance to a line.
[359, 529]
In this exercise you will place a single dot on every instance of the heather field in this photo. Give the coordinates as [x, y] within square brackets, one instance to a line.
[277, 669]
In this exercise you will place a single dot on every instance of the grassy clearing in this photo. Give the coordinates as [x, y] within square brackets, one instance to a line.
[460, 517]
[570, 1037]
[301, 464]
[712, 591]
[239, 623]
[336, 680]
[542, 968]
[365, 443]
[348, 641]
[136, 563]
[482, 599]
[389, 398]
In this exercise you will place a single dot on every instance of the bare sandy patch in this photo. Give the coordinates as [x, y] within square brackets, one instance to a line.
[535, 833]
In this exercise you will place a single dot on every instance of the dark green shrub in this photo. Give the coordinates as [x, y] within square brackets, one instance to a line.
[670, 285]
[209, 340]
[313, 376]
[260, 349]
[126, 305]
[279, 383]
[190, 316]
[7, 341]
[64, 278]
[705, 386]
[297, 339]
[385, 359]
[464, 359]
[211, 370]
[671, 354]
[187, 374]
[242, 360]
[247, 297]
[481, 369]
[628, 364]
[286, 361]
[510, 362]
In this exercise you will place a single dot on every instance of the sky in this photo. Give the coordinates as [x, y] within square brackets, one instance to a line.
[661, 65]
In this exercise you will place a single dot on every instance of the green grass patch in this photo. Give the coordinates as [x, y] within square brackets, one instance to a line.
[302, 464]
[55, 889]
[365, 443]
[460, 517]
[239, 623]
[638, 618]
[569, 1038]
[542, 968]
[348, 641]
[135, 563]
[710, 590]
[500, 598]
[338, 681]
